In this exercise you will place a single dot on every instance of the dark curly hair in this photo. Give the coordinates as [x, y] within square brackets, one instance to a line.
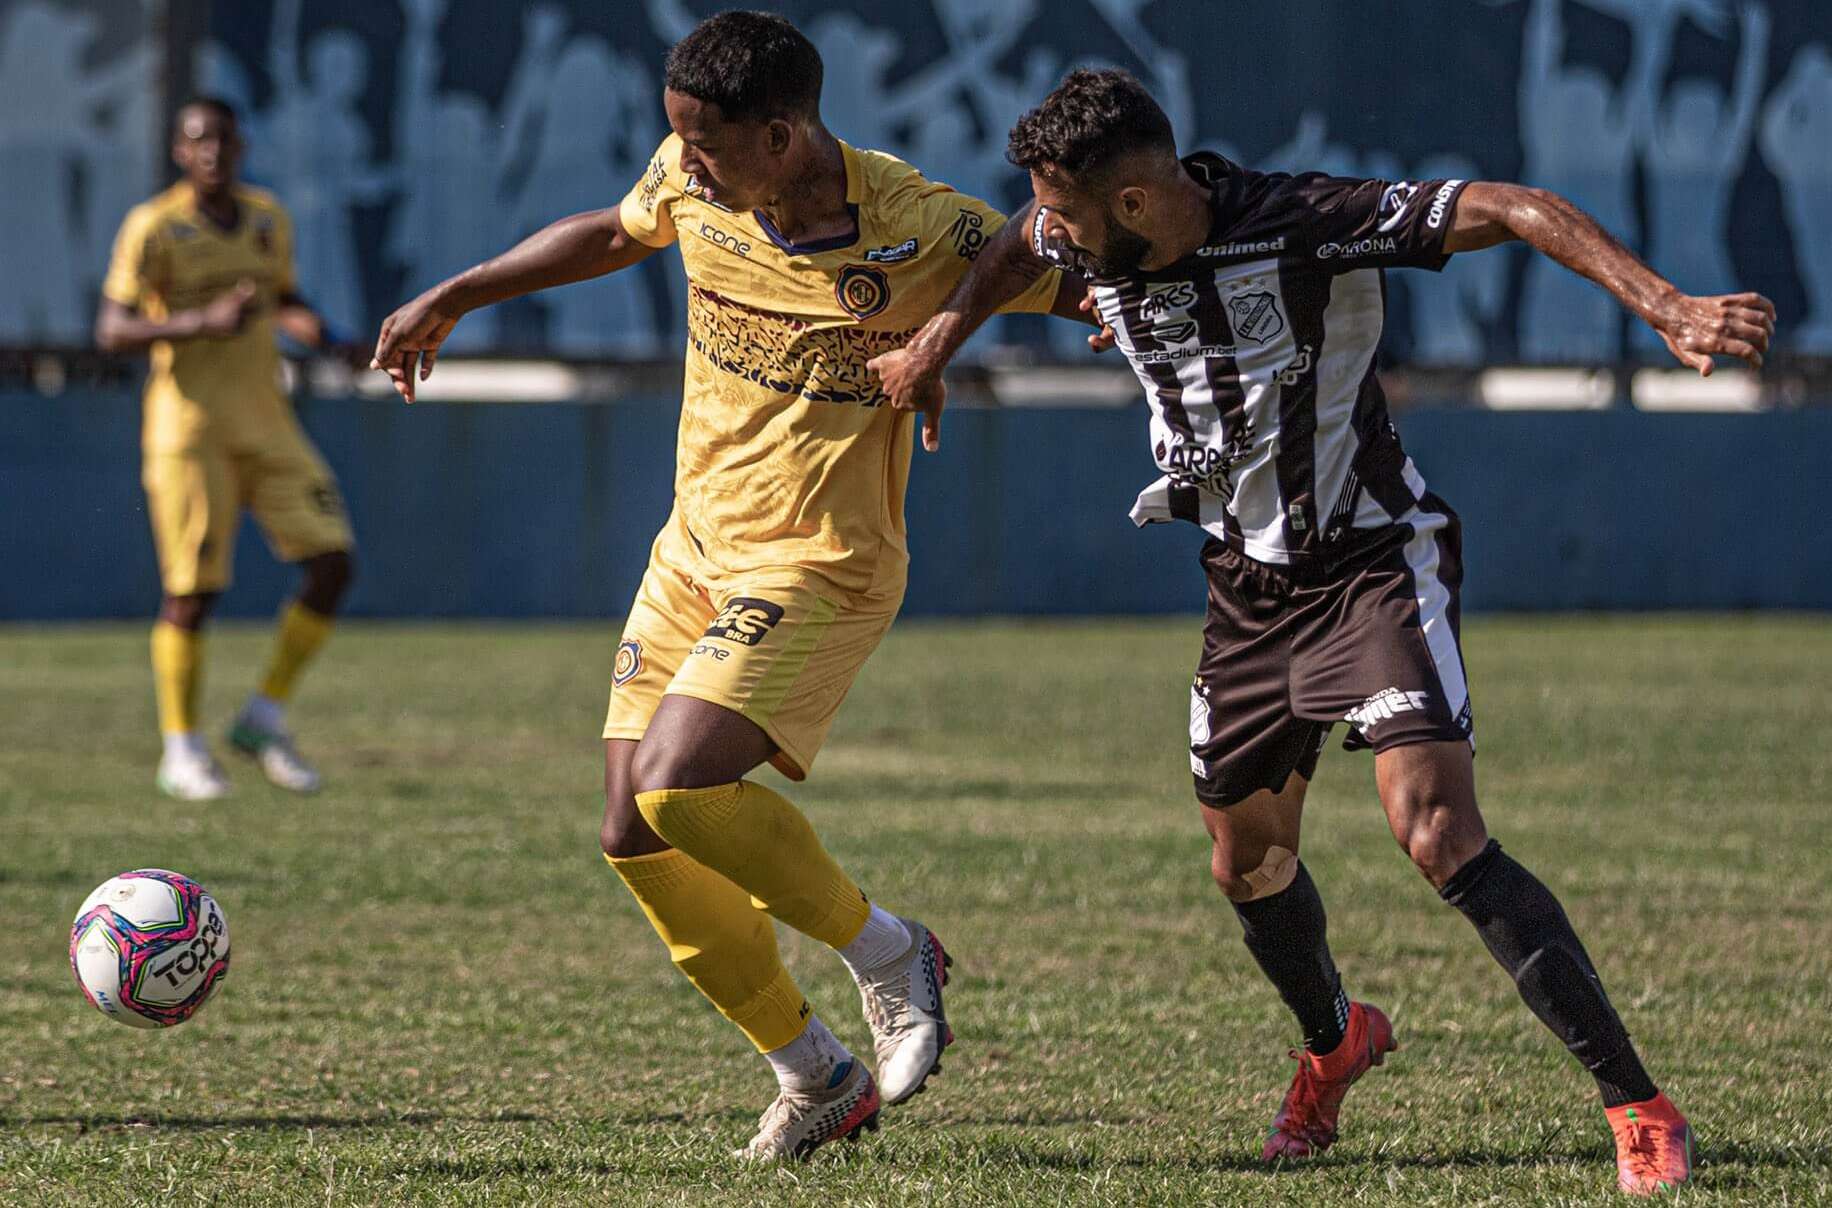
[1088, 124]
[753, 66]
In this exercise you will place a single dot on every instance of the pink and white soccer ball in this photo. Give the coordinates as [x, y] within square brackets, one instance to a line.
[149, 947]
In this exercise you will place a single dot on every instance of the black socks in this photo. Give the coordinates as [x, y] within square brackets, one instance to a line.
[1286, 935]
[1527, 932]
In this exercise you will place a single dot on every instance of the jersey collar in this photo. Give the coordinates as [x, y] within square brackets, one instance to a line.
[833, 243]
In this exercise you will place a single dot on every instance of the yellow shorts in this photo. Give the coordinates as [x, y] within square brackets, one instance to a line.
[775, 645]
[195, 500]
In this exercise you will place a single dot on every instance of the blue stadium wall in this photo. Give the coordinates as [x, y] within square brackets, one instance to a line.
[538, 511]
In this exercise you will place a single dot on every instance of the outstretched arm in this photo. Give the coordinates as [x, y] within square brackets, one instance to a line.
[1004, 269]
[123, 329]
[1695, 328]
[573, 249]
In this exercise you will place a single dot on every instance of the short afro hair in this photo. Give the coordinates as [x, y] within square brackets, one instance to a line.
[215, 104]
[1088, 124]
[753, 66]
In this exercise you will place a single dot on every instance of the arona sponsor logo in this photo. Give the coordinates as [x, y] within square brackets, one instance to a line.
[893, 254]
[1373, 245]
[718, 654]
[725, 239]
[1252, 248]
[1434, 218]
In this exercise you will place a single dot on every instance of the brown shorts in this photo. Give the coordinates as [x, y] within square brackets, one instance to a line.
[1370, 639]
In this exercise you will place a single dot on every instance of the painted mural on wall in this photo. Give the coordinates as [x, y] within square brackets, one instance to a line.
[413, 137]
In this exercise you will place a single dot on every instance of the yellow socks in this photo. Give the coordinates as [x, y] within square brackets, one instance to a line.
[724, 945]
[301, 633]
[757, 839]
[178, 675]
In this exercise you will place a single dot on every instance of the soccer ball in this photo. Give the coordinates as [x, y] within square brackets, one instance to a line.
[148, 948]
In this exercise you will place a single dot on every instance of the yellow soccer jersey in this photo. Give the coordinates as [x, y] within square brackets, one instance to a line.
[170, 257]
[789, 453]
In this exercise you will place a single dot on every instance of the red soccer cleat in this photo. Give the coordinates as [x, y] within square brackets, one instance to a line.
[1653, 1146]
[1306, 1123]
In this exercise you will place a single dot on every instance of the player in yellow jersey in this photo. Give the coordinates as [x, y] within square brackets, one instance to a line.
[202, 275]
[784, 560]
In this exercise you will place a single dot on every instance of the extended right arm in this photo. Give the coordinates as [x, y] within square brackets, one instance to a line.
[573, 249]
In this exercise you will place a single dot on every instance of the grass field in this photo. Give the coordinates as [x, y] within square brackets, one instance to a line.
[441, 995]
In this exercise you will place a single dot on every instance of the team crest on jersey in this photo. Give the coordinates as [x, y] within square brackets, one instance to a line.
[1255, 315]
[862, 291]
[629, 662]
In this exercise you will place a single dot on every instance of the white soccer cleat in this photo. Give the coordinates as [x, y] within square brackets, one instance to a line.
[191, 776]
[274, 753]
[909, 1027]
[797, 1124]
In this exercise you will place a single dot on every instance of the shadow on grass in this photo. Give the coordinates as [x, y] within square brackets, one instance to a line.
[99, 1121]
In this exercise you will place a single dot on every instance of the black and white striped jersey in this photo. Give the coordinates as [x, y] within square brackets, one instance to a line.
[1257, 355]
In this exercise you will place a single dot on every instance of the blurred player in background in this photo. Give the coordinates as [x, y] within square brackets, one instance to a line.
[202, 275]
[1250, 305]
[784, 560]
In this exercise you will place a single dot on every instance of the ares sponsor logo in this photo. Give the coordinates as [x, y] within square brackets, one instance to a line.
[725, 239]
[1255, 315]
[969, 233]
[861, 290]
[1387, 703]
[1160, 300]
[1374, 245]
[628, 664]
[1174, 333]
[1254, 248]
[893, 254]
[1394, 203]
[1294, 372]
[718, 654]
[745, 620]
[1440, 201]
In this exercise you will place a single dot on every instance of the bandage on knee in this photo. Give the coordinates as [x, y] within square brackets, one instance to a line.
[1274, 875]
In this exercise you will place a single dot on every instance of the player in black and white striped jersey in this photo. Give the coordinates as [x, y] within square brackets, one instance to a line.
[1250, 305]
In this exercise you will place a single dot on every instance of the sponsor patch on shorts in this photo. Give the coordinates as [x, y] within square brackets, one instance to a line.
[745, 620]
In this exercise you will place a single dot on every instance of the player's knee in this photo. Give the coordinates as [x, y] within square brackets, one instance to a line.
[1274, 873]
[1441, 837]
[327, 578]
[624, 832]
[187, 612]
[657, 767]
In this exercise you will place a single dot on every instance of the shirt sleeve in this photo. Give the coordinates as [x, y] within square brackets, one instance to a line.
[963, 224]
[647, 210]
[136, 268]
[1346, 224]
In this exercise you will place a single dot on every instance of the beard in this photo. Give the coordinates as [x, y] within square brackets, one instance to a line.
[1125, 251]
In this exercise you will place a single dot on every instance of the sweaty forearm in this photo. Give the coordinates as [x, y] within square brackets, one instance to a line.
[576, 248]
[1005, 268]
[1557, 228]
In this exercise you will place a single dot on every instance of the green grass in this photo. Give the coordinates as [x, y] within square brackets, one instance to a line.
[441, 995]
